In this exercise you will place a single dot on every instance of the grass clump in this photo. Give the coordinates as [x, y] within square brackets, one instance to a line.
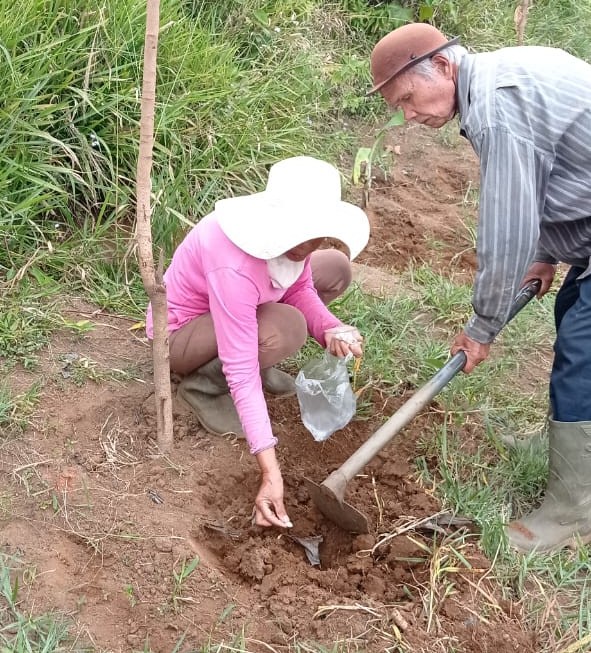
[15, 410]
[26, 319]
[21, 632]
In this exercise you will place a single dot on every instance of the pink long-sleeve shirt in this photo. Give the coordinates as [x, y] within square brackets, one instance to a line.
[209, 274]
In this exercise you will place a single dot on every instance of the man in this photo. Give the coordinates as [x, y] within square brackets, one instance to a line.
[527, 113]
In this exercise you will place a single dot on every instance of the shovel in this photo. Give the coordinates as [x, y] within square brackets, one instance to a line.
[329, 496]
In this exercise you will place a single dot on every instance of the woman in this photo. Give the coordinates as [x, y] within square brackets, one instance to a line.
[245, 288]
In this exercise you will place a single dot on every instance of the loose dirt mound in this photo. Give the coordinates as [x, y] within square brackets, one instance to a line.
[114, 531]
[424, 211]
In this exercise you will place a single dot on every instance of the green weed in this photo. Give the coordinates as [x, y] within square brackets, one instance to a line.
[25, 323]
[130, 594]
[16, 410]
[180, 577]
[21, 632]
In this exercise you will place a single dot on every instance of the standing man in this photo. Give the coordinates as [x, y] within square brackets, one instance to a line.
[527, 113]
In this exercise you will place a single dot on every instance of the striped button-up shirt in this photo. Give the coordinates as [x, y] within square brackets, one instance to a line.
[527, 113]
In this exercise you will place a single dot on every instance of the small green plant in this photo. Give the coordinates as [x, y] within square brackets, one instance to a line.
[80, 327]
[131, 597]
[375, 19]
[180, 576]
[367, 157]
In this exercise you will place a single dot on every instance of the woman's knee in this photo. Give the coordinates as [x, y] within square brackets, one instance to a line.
[193, 345]
[331, 273]
[282, 332]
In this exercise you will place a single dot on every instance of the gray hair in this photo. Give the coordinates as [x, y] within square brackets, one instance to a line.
[454, 54]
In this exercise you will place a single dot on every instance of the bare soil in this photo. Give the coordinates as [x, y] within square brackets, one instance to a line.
[110, 528]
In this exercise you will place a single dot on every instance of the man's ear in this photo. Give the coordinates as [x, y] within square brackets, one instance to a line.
[443, 64]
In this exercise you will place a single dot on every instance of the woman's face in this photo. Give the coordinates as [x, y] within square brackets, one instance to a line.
[299, 252]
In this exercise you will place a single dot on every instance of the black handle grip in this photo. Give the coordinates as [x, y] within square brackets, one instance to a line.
[523, 297]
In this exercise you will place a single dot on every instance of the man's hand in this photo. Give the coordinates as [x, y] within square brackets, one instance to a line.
[544, 272]
[344, 340]
[476, 352]
[268, 508]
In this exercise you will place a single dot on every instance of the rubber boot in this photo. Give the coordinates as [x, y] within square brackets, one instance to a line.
[207, 393]
[277, 382]
[274, 381]
[564, 518]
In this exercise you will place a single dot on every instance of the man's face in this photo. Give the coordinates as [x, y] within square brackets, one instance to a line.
[428, 101]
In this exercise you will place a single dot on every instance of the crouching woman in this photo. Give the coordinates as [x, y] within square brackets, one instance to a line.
[245, 288]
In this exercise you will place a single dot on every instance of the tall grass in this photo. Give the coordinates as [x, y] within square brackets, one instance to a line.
[490, 24]
[483, 25]
[240, 85]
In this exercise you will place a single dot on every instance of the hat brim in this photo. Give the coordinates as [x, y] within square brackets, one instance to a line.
[264, 227]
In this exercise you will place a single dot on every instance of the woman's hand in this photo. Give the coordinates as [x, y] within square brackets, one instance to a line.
[343, 340]
[268, 507]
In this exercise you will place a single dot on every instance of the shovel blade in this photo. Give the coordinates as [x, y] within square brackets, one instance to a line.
[339, 512]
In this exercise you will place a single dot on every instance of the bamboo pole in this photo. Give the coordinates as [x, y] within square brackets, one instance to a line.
[152, 277]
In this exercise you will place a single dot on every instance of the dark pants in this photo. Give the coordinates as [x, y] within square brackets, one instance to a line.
[570, 380]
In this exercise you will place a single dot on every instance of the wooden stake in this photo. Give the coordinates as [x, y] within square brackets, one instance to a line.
[520, 19]
[152, 278]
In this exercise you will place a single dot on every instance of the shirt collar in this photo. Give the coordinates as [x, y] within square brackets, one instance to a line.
[463, 89]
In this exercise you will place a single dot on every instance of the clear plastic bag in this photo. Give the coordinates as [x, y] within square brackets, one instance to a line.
[326, 398]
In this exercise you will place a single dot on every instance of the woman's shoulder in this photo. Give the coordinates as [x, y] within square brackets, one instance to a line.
[216, 250]
[206, 237]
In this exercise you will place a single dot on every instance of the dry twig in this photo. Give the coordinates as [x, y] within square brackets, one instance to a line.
[327, 609]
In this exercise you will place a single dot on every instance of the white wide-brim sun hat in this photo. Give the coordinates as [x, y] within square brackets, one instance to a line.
[302, 201]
